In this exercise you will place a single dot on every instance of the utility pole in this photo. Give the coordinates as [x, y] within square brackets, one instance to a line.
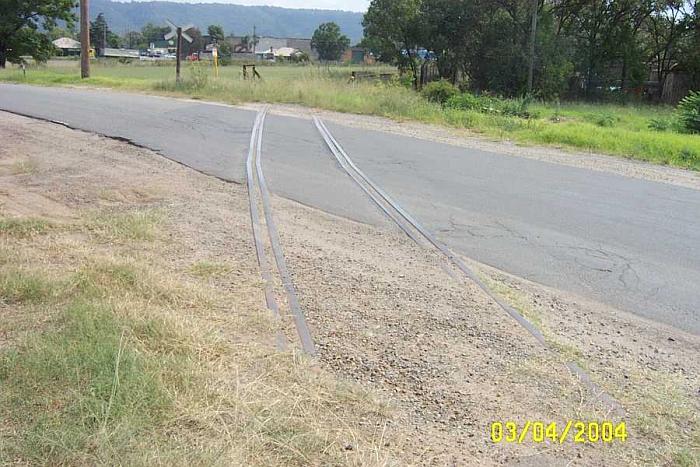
[533, 36]
[255, 41]
[84, 40]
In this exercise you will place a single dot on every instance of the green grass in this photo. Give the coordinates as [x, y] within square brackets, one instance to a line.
[124, 226]
[17, 286]
[208, 269]
[23, 227]
[96, 390]
[604, 128]
[94, 383]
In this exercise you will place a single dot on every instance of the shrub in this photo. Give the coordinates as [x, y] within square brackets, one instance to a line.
[199, 77]
[508, 107]
[464, 101]
[659, 124]
[604, 119]
[688, 112]
[439, 91]
[516, 107]
[687, 155]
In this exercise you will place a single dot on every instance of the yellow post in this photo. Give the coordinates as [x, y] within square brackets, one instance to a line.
[215, 56]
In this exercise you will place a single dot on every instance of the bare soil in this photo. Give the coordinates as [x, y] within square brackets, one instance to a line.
[387, 318]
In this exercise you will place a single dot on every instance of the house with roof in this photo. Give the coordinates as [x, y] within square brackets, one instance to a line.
[68, 46]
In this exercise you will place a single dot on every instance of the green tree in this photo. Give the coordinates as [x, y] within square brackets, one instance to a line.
[329, 42]
[197, 44]
[394, 27]
[21, 23]
[100, 34]
[225, 48]
[216, 33]
[450, 30]
[134, 40]
[669, 28]
[58, 32]
[152, 33]
[689, 46]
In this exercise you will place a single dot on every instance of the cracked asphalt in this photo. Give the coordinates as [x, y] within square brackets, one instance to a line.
[630, 243]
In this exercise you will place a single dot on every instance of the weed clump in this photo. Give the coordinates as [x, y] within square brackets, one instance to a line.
[23, 227]
[130, 225]
[439, 91]
[491, 105]
[17, 286]
[688, 112]
[660, 124]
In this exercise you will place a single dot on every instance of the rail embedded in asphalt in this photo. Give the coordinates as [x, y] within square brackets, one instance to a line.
[255, 158]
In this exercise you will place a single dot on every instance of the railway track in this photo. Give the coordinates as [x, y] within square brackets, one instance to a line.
[458, 270]
[256, 183]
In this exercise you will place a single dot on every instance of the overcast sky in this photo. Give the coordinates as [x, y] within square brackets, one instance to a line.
[349, 5]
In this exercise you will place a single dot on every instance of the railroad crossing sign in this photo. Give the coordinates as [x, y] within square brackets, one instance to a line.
[179, 32]
[174, 31]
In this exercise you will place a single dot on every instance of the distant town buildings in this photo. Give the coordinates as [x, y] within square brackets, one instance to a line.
[270, 48]
[242, 47]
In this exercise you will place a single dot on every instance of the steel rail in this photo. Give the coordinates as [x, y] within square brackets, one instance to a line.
[307, 343]
[328, 138]
[357, 174]
[257, 233]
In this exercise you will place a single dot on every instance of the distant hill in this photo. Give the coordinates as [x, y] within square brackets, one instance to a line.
[236, 19]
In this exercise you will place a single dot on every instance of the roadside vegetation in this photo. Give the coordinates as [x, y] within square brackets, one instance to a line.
[110, 355]
[651, 133]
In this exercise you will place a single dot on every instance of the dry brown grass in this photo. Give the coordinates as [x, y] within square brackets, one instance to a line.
[213, 389]
[660, 411]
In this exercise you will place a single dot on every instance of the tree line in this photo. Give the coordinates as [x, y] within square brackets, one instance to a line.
[582, 47]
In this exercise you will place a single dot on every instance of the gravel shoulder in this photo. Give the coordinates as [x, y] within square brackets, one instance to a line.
[388, 321]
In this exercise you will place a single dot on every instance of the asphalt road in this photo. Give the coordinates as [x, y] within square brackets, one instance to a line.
[630, 243]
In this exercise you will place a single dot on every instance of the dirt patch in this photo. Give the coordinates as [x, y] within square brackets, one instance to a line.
[444, 360]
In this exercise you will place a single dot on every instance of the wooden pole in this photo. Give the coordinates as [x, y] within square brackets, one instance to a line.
[254, 41]
[177, 59]
[84, 39]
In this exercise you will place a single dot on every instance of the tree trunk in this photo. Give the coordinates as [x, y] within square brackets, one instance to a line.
[623, 77]
[3, 56]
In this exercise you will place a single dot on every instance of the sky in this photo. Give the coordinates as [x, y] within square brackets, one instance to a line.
[349, 5]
